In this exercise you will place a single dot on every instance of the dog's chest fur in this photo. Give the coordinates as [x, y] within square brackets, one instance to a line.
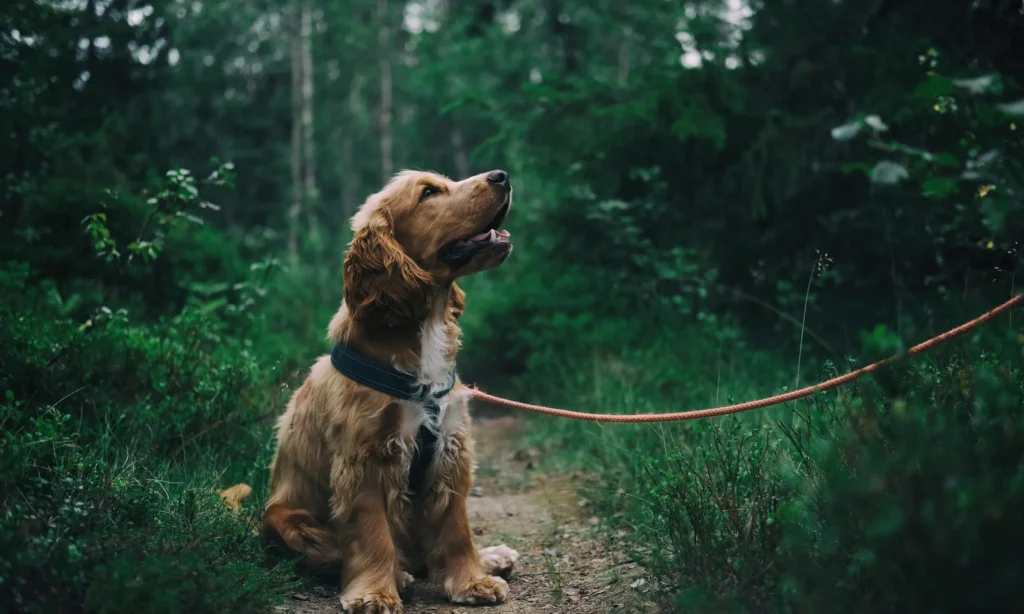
[438, 344]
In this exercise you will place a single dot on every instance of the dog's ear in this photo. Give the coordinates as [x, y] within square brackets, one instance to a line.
[381, 281]
[456, 302]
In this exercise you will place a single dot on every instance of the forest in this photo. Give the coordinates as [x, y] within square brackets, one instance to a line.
[715, 201]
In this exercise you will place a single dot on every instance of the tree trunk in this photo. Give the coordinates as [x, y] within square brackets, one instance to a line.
[310, 195]
[565, 33]
[295, 209]
[383, 40]
[482, 18]
[90, 33]
[623, 72]
[459, 150]
[349, 173]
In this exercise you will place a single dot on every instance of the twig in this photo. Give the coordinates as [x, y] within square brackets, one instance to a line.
[803, 327]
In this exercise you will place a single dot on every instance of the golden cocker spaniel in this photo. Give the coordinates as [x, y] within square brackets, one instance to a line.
[374, 454]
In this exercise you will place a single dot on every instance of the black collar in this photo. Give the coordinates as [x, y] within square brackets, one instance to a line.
[385, 378]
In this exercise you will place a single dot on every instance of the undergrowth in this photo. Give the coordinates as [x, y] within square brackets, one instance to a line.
[899, 493]
[123, 413]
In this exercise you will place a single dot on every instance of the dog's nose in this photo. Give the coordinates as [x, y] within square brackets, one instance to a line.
[498, 178]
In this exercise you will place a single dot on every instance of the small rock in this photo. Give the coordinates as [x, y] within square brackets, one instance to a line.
[637, 583]
[300, 597]
[526, 453]
[322, 591]
[509, 514]
[478, 531]
[529, 456]
[593, 520]
[476, 492]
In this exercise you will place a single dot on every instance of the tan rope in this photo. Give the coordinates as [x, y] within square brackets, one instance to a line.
[749, 405]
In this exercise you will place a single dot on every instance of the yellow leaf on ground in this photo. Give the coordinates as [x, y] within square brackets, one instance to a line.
[233, 497]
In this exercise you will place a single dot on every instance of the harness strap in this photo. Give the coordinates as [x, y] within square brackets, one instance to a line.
[385, 378]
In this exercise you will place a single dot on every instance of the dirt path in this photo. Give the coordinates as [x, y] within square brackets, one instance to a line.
[563, 567]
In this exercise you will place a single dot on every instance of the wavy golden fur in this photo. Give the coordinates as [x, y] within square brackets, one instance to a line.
[339, 491]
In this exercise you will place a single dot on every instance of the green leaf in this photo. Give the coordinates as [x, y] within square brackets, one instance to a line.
[938, 187]
[846, 131]
[990, 83]
[1015, 108]
[934, 87]
[887, 172]
[854, 167]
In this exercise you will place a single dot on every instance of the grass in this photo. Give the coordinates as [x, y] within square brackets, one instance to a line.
[115, 439]
[898, 493]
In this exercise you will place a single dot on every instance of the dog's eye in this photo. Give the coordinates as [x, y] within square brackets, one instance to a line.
[429, 191]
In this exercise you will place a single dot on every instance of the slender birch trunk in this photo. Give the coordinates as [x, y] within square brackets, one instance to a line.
[383, 41]
[310, 194]
[348, 172]
[295, 209]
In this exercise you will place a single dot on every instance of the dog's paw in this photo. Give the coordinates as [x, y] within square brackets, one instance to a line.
[480, 591]
[498, 560]
[371, 603]
[403, 580]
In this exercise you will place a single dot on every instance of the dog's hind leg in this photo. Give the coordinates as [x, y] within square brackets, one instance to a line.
[301, 532]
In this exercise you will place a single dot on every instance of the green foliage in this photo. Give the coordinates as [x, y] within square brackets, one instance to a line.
[115, 436]
[907, 496]
[117, 429]
[895, 494]
[704, 191]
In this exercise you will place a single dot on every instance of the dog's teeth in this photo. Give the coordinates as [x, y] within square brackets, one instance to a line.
[493, 235]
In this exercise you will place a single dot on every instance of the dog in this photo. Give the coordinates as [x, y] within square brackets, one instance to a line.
[370, 483]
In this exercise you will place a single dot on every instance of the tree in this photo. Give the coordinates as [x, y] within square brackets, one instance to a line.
[384, 68]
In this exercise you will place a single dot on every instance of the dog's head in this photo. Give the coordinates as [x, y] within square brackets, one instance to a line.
[422, 231]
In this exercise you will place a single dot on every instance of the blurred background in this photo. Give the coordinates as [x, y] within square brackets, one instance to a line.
[714, 200]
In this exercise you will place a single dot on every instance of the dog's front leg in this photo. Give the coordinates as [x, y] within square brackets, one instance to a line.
[450, 550]
[370, 557]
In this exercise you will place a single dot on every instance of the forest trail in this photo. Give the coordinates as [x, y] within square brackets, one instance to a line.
[563, 567]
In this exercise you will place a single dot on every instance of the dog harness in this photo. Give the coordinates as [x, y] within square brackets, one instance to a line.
[385, 378]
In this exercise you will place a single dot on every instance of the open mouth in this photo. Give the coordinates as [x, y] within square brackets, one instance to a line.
[461, 251]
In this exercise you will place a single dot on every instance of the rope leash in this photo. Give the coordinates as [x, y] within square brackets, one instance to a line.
[750, 405]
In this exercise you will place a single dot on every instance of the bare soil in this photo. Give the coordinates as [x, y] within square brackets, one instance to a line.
[563, 567]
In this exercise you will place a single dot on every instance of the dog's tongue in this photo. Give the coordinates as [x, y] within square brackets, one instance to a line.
[489, 234]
